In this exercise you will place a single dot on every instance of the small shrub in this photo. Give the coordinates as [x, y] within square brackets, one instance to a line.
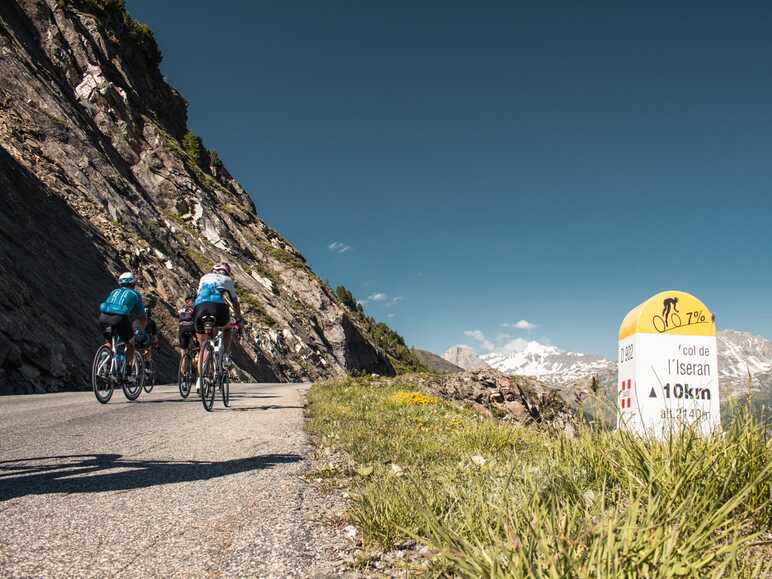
[346, 298]
[214, 159]
[193, 147]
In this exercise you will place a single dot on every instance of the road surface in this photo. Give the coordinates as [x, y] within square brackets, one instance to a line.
[158, 487]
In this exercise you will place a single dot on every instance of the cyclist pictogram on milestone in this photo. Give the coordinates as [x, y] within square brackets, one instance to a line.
[669, 318]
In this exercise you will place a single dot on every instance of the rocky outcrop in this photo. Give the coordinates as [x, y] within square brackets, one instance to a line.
[464, 357]
[517, 399]
[435, 363]
[94, 180]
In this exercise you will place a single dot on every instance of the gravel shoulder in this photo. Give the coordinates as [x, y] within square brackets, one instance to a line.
[161, 488]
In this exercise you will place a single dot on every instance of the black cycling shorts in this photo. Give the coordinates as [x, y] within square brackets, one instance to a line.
[185, 337]
[116, 324]
[220, 312]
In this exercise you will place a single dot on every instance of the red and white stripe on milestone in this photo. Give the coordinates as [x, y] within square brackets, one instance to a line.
[625, 394]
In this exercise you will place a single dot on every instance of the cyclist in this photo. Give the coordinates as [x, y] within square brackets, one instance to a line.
[121, 306]
[210, 301]
[185, 316]
[146, 337]
[667, 304]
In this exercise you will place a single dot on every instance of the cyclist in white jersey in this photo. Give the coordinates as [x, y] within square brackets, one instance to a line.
[210, 301]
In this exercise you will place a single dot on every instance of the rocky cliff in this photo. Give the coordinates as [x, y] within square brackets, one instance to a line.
[464, 357]
[99, 174]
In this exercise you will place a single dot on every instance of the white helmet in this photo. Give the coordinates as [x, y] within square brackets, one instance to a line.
[222, 267]
[126, 279]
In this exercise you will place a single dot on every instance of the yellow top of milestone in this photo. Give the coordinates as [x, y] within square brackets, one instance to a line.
[673, 313]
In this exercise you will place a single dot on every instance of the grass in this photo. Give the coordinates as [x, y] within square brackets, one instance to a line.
[498, 500]
[284, 256]
[251, 304]
[190, 163]
[203, 263]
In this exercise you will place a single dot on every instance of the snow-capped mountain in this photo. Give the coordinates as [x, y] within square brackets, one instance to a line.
[743, 357]
[739, 353]
[550, 364]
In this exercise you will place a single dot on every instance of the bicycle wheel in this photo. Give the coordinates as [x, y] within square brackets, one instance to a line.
[149, 375]
[225, 387]
[133, 389]
[659, 324]
[675, 320]
[101, 380]
[208, 384]
[185, 378]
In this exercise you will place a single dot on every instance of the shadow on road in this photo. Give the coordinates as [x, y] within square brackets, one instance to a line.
[90, 473]
[193, 398]
[245, 408]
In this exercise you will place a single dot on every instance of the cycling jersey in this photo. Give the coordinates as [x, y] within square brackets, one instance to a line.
[123, 301]
[211, 286]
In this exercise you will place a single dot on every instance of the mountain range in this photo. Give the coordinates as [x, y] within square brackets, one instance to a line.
[741, 356]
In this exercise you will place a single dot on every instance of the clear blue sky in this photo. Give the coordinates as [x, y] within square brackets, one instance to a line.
[494, 162]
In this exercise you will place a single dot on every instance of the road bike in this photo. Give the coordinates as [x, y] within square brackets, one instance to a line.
[149, 372]
[109, 370]
[214, 374]
[661, 326]
[187, 376]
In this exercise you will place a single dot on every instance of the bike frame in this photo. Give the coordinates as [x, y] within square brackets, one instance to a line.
[115, 370]
[215, 347]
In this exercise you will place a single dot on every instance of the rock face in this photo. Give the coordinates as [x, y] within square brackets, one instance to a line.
[513, 398]
[464, 357]
[435, 363]
[94, 181]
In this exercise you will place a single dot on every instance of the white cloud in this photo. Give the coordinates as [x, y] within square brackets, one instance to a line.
[479, 336]
[516, 345]
[391, 315]
[521, 325]
[383, 299]
[339, 247]
[503, 343]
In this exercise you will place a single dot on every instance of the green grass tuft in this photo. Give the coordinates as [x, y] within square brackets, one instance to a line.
[498, 500]
[252, 305]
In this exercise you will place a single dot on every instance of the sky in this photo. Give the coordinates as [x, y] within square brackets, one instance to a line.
[488, 173]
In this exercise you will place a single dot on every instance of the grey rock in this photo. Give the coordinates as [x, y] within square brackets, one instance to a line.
[518, 399]
[464, 357]
[94, 182]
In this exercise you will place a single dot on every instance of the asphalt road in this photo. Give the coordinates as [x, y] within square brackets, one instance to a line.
[158, 487]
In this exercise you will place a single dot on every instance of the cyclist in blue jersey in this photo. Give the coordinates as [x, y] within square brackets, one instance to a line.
[120, 307]
[210, 301]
